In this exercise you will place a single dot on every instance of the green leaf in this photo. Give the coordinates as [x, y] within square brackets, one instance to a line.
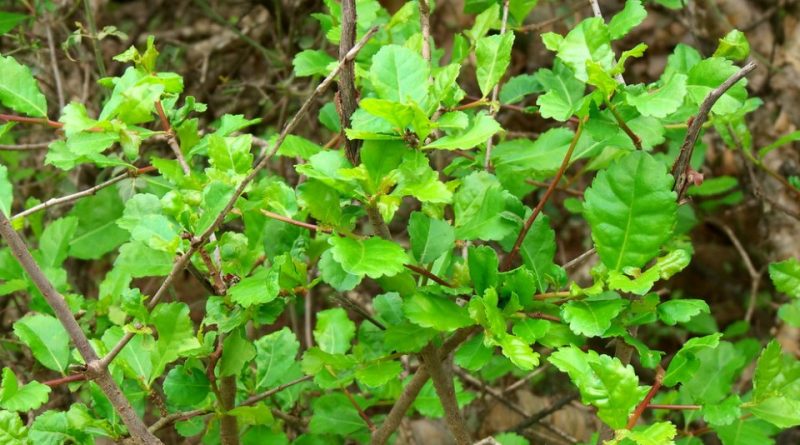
[144, 219]
[783, 412]
[416, 178]
[97, 232]
[54, 242]
[523, 157]
[186, 386]
[473, 354]
[681, 311]
[373, 257]
[9, 20]
[12, 430]
[259, 288]
[785, 276]
[519, 352]
[631, 16]
[275, 358]
[589, 40]
[563, 92]
[138, 260]
[663, 101]
[631, 210]
[6, 194]
[14, 397]
[538, 250]
[176, 335]
[734, 46]
[659, 433]
[334, 414]
[429, 404]
[311, 63]
[480, 212]
[723, 413]
[379, 373]
[19, 90]
[407, 337]
[215, 197]
[493, 55]
[400, 75]
[715, 375]
[603, 381]
[592, 316]
[746, 432]
[436, 312]
[518, 87]
[47, 339]
[334, 331]
[430, 238]
[237, 350]
[333, 274]
[684, 364]
[483, 266]
[483, 127]
[710, 73]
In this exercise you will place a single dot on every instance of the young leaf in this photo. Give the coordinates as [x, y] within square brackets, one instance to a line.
[631, 209]
[592, 316]
[47, 339]
[483, 127]
[590, 40]
[681, 311]
[311, 63]
[473, 354]
[563, 92]
[662, 102]
[14, 397]
[785, 276]
[373, 257]
[734, 46]
[259, 288]
[538, 250]
[400, 75]
[176, 335]
[493, 54]
[631, 16]
[685, 363]
[275, 358]
[430, 237]
[479, 207]
[438, 313]
[19, 90]
[12, 430]
[334, 331]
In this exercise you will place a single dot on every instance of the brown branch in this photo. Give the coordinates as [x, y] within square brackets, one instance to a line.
[487, 161]
[443, 384]
[30, 120]
[674, 407]
[360, 411]
[172, 140]
[755, 275]
[680, 169]
[54, 63]
[88, 192]
[199, 241]
[135, 426]
[430, 275]
[509, 260]
[537, 417]
[68, 379]
[228, 425]
[25, 147]
[425, 29]
[579, 259]
[637, 141]
[543, 316]
[411, 391]
[347, 100]
[650, 394]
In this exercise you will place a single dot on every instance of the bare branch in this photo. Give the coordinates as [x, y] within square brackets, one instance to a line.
[136, 427]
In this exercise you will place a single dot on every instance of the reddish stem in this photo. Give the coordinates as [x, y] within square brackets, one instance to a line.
[67, 379]
[30, 120]
[674, 407]
[644, 403]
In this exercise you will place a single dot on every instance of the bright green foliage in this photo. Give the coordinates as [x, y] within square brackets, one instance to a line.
[17, 397]
[286, 308]
[603, 381]
[19, 90]
[493, 54]
[373, 257]
[786, 276]
[47, 339]
[631, 209]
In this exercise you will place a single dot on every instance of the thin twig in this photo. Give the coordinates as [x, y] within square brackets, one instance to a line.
[579, 259]
[755, 275]
[650, 394]
[637, 141]
[680, 169]
[172, 140]
[199, 241]
[509, 260]
[498, 395]
[68, 379]
[487, 162]
[538, 416]
[674, 407]
[52, 202]
[136, 427]
[30, 120]
[24, 147]
[360, 411]
[54, 64]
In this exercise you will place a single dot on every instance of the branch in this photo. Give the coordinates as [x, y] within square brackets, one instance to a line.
[487, 161]
[171, 139]
[199, 241]
[680, 169]
[52, 202]
[529, 223]
[425, 28]
[25, 147]
[443, 384]
[411, 391]
[650, 394]
[347, 80]
[68, 379]
[537, 417]
[30, 120]
[136, 427]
